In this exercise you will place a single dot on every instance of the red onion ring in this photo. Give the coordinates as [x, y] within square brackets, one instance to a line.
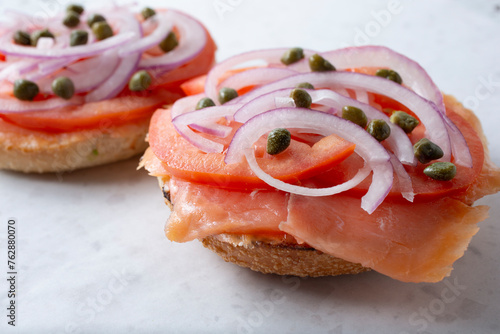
[425, 110]
[462, 156]
[214, 129]
[164, 26]
[398, 141]
[298, 190]
[10, 106]
[127, 66]
[374, 154]
[414, 76]
[82, 51]
[14, 71]
[271, 57]
[208, 145]
[190, 45]
[101, 67]
[204, 120]
[254, 77]
[404, 179]
[53, 65]
[185, 105]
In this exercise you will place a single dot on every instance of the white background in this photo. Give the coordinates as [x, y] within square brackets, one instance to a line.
[92, 256]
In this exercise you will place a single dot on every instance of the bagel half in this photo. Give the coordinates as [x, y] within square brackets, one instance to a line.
[40, 152]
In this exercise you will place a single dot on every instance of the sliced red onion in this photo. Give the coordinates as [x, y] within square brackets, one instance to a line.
[45, 43]
[299, 190]
[405, 184]
[13, 71]
[101, 67]
[205, 144]
[362, 96]
[9, 106]
[209, 113]
[374, 154]
[191, 43]
[285, 102]
[262, 104]
[53, 65]
[211, 128]
[82, 51]
[398, 141]
[148, 26]
[414, 76]
[48, 67]
[254, 77]
[204, 120]
[459, 147]
[342, 92]
[127, 66]
[165, 20]
[426, 111]
[185, 105]
[270, 57]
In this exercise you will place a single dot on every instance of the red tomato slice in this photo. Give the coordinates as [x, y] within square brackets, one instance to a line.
[115, 111]
[126, 107]
[194, 86]
[185, 161]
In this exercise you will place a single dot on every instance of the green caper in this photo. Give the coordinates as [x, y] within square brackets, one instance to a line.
[22, 38]
[63, 87]
[301, 98]
[355, 115]
[169, 43]
[389, 74]
[204, 103]
[441, 171]
[72, 19]
[75, 8]
[278, 140]
[25, 90]
[379, 129]
[292, 56]
[404, 121]
[147, 12]
[425, 151]
[305, 85]
[94, 18]
[140, 81]
[40, 33]
[227, 94]
[78, 37]
[320, 64]
[102, 30]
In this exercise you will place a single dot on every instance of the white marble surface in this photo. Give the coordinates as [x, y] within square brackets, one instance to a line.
[92, 257]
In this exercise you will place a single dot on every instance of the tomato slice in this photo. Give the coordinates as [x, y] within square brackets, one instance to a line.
[119, 110]
[297, 162]
[126, 107]
[194, 86]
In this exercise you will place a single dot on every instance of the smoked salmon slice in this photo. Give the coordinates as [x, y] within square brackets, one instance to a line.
[409, 242]
[203, 210]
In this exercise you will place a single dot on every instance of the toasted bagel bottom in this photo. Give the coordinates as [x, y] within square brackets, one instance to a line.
[40, 152]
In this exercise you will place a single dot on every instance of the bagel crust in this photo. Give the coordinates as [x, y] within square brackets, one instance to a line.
[280, 259]
[39, 152]
[272, 256]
